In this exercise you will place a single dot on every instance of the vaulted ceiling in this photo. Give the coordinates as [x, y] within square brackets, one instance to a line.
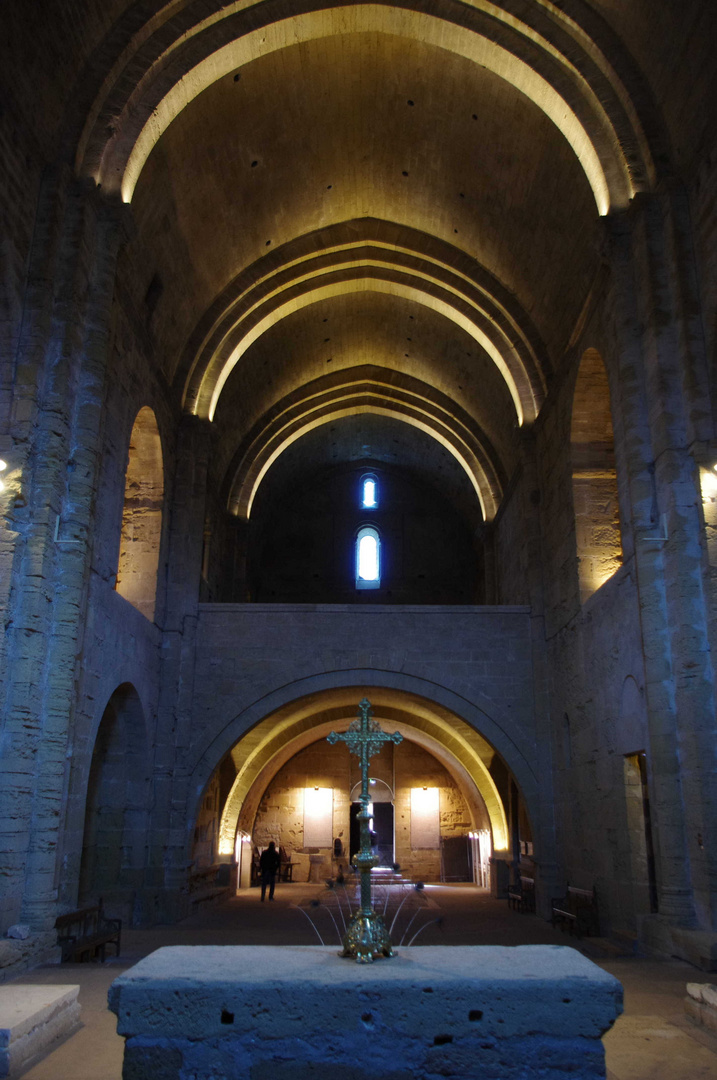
[391, 211]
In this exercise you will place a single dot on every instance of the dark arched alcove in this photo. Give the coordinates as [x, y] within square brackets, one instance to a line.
[305, 526]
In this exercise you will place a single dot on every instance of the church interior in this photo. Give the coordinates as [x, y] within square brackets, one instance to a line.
[359, 351]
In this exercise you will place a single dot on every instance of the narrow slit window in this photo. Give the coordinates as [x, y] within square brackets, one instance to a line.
[368, 558]
[369, 492]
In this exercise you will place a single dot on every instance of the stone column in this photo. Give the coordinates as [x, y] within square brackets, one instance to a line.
[168, 856]
[661, 391]
[549, 874]
[235, 583]
[56, 448]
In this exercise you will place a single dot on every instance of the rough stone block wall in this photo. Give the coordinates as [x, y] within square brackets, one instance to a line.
[280, 816]
[118, 630]
[417, 768]
[703, 205]
[594, 647]
[248, 654]
[708, 479]
[142, 516]
[510, 547]
[206, 830]
[593, 659]
[497, 1013]
[559, 548]
[246, 651]
[121, 644]
[597, 529]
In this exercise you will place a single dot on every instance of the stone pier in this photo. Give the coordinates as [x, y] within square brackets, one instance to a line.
[295, 1013]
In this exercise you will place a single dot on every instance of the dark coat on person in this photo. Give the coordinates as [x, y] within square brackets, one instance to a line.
[270, 861]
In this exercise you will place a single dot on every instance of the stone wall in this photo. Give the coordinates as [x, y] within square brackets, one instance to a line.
[417, 769]
[302, 540]
[281, 811]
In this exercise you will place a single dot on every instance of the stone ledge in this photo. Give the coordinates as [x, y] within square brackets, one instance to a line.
[697, 947]
[19, 954]
[701, 1004]
[429, 1010]
[32, 1018]
[365, 609]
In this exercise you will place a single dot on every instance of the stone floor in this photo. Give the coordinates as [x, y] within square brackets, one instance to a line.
[653, 1040]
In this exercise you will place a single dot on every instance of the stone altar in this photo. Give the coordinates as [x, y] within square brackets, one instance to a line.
[298, 1012]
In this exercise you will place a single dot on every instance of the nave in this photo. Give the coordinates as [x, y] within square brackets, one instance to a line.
[652, 1040]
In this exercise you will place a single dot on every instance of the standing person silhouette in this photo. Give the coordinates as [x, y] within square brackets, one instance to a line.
[269, 864]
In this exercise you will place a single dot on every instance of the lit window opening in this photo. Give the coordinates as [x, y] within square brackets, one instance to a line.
[369, 492]
[368, 558]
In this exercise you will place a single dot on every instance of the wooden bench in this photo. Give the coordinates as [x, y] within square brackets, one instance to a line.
[577, 910]
[286, 868]
[86, 933]
[521, 895]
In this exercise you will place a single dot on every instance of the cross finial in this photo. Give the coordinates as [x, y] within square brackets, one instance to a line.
[366, 936]
[365, 738]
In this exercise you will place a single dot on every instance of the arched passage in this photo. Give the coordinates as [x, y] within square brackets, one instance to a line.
[115, 836]
[142, 516]
[478, 772]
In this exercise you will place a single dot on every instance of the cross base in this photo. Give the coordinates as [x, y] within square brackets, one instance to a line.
[366, 938]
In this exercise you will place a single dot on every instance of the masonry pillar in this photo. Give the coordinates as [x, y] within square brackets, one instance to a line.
[664, 403]
[169, 851]
[549, 881]
[55, 447]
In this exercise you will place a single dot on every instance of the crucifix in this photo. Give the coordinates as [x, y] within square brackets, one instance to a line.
[366, 936]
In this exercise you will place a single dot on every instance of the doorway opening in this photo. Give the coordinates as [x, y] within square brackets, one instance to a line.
[382, 831]
[639, 830]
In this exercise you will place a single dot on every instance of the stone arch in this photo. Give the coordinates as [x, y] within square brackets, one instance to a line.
[595, 489]
[367, 279]
[365, 389]
[573, 72]
[471, 776]
[141, 534]
[366, 254]
[115, 838]
[465, 735]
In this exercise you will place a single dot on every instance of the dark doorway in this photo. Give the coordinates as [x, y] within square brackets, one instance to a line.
[456, 862]
[649, 848]
[382, 838]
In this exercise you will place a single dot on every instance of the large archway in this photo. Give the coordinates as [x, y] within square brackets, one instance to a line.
[494, 800]
[115, 839]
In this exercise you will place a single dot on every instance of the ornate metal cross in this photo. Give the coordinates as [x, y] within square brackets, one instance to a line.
[366, 936]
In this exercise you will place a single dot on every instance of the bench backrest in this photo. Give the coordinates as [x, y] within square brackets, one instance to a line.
[85, 917]
[581, 894]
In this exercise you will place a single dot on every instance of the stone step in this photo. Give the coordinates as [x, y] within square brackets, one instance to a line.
[33, 1019]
